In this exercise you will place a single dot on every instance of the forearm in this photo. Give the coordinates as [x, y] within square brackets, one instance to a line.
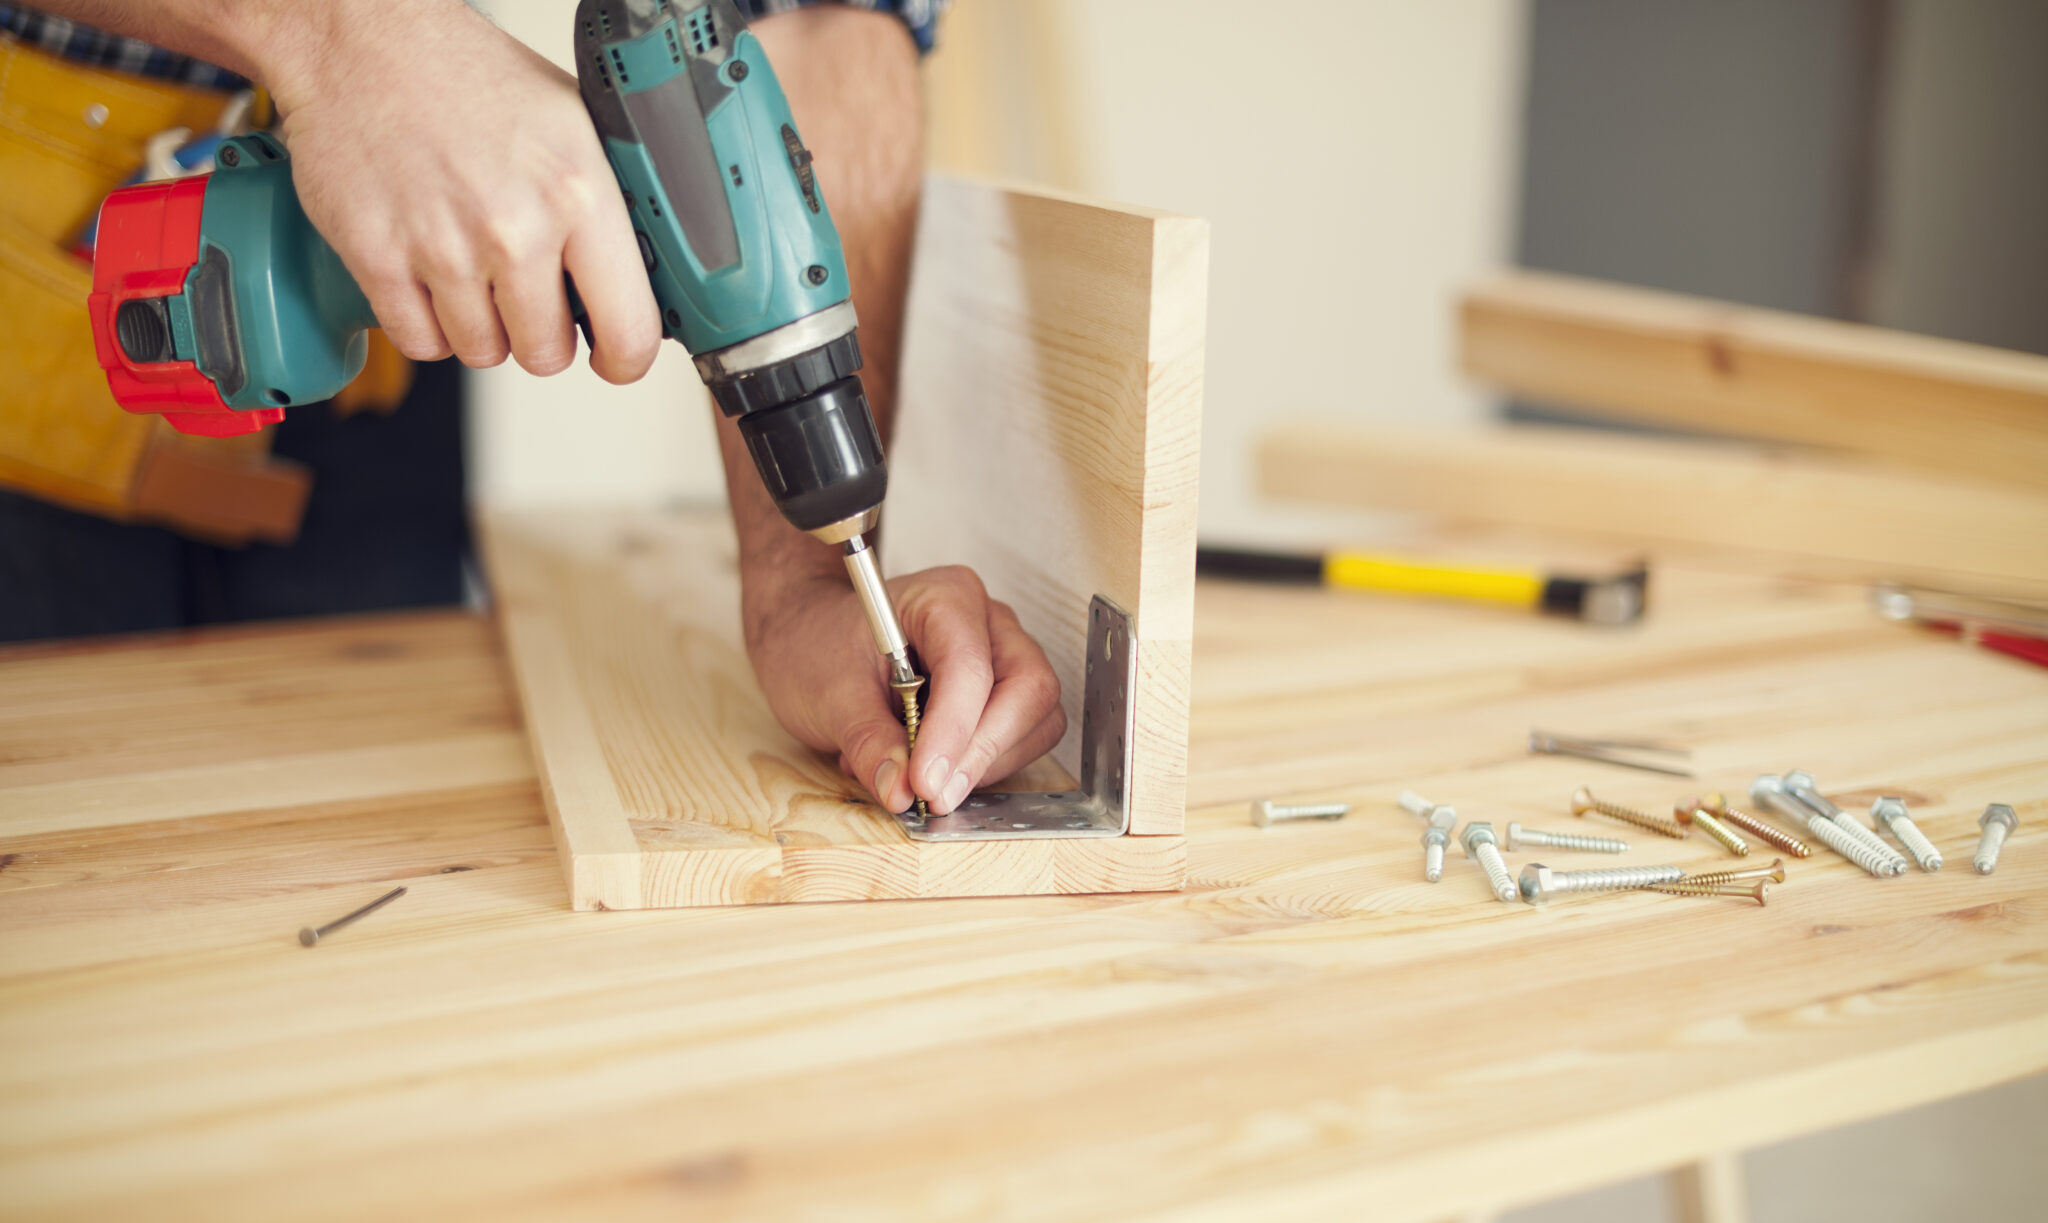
[852, 82]
[277, 43]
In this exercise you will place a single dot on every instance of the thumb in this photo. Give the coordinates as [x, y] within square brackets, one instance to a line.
[876, 753]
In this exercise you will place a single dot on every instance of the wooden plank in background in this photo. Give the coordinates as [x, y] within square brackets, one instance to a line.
[1049, 432]
[1698, 364]
[1833, 518]
[668, 780]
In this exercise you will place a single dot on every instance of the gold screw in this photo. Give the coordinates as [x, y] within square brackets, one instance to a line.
[1774, 837]
[910, 719]
[1583, 801]
[1687, 887]
[1690, 812]
[1775, 873]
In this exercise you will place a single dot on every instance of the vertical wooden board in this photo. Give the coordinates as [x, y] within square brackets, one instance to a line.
[666, 777]
[1048, 436]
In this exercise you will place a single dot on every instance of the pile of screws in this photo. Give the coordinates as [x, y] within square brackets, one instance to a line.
[1793, 797]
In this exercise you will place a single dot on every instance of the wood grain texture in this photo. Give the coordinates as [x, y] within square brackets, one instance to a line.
[1638, 354]
[667, 778]
[1814, 515]
[1309, 1032]
[1049, 436]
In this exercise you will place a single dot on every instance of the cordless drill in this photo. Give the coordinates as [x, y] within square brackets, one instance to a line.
[217, 304]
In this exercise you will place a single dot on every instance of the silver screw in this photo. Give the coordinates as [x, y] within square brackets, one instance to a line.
[1800, 783]
[1768, 790]
[1266, 813]
[1890, 813]
[1519, 836]
[1479, 843]
[1436, 836]
[1998, 822]
[1540, 883]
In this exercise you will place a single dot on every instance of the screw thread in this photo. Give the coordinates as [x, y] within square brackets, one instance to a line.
[1776, 838]
[1309, 811]
[1988, 846]
[1641, 819]
[1572, 840]
[1830, 834]
[1720, 832]
[1775, 873]
[1489, 857]
[1895, 862]
[1689, 887]
[1925, 855]
[1616, 879]
[910, 721]
[1433, 861]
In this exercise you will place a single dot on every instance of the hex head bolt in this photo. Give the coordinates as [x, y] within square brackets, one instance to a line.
[1540, 883]
[1774, 873]
[1890, 813]
[1776, 838]
[1997, 823]
[1267, 813]
[1479, 843]
[1583, 801]
[1755, 889]
[1691, 812]
[1436, 836]
[1768, 790]
[1800, 783]
[1519, 836]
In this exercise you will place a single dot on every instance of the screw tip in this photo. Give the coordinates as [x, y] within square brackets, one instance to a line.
[309, 936]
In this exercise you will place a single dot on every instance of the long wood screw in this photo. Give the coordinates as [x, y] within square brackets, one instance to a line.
[1997, 823]
[1435, 837]
[1774, 873]
[1583, 801]
[310, 936]
[1776, 838]
[1802, 786]
[1266, 812]
[1519, 836]
[1769, 790]
[1479, 844]
[1539, 883]
[1755, 890]
[1890, 813]
[1691, 812]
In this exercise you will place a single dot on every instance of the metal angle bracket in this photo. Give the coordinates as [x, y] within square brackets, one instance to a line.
[1101, 807]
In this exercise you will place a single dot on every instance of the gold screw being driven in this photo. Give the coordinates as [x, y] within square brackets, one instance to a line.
[1776, 838]
[910, 719]
[1774, 873]
[1690, 812]
[1755, 890]
[1583, 801]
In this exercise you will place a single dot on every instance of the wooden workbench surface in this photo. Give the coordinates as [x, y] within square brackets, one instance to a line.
[1309, 1031]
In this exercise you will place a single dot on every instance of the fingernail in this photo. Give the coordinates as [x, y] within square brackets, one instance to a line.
[956, 790]
[938, 768]
[885, 779]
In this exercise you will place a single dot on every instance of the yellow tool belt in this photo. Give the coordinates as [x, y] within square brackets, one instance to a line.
[69, 134]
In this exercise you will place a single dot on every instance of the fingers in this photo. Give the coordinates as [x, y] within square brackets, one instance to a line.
[535, 310]
[604, 258]
[946, 615]
[469, 318]
[406, 316]
[1023, 719]
[873, 751]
